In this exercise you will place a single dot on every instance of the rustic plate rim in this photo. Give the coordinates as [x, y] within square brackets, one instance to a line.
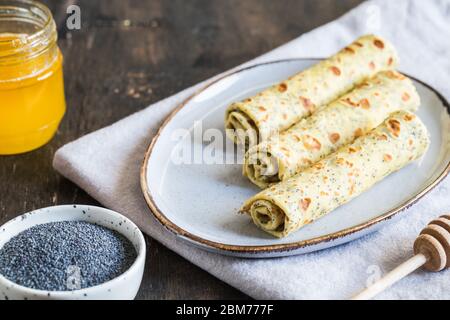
[192, 238]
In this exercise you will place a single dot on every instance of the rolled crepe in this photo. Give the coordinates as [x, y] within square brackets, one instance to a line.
[339, 124]
[337, 179]
[279, 107]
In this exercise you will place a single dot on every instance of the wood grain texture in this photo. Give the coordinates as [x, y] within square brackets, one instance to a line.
[130, 54]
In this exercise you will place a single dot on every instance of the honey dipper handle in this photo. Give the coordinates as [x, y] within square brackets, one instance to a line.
[392, 277]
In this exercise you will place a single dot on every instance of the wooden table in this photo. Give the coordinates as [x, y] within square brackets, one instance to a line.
[130, 54]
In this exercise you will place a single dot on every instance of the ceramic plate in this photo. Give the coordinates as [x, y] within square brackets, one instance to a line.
[193, 183]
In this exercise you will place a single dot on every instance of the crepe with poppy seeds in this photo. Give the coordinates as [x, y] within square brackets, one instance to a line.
[275, 109]
[289, 205]
[339, 124]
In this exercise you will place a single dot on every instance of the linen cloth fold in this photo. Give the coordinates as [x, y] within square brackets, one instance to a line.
[106, 164]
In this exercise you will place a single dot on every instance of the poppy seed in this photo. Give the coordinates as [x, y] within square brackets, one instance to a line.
[65, 256]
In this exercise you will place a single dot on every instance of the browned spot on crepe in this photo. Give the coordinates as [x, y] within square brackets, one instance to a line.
[340, 161]
[349, 50]
[378, 43]
[312, 143]
[352, 187]
[353, 149]
[358, 133]
[349, 102]
[334, 137]
[395, 75]
[318, 165]
[305, 203]
[394, 127]
[282, 87]
[406, 96]
[307, 104]
[307, 161]
[336, 70]
[365, 104]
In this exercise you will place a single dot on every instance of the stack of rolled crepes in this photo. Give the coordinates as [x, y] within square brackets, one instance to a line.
[326, 135]
[335, 180]
[279, 107]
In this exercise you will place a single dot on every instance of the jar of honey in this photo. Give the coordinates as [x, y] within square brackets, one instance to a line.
[32, 100]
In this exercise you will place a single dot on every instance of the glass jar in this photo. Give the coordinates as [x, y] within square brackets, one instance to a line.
[32, 100]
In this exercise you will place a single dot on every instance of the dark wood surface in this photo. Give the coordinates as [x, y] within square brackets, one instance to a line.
[131, 53]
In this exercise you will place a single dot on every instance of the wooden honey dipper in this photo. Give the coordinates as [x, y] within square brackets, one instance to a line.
[432, 251]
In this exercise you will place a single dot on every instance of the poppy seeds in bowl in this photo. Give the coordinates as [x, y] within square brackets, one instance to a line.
[65, 256]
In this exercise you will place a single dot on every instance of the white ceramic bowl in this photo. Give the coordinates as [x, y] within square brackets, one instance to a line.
[124, 287]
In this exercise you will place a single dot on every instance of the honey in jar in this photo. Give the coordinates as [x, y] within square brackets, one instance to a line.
[32, 100]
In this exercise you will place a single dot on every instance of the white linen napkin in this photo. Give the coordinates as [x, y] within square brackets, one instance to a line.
[106, 164]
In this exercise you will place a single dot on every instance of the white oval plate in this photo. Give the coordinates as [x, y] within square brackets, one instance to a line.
[199, 202]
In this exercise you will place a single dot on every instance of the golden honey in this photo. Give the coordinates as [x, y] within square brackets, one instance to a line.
[32, 100]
